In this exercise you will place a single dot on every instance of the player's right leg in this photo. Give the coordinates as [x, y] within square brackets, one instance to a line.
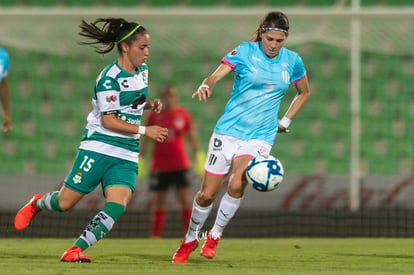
[158, 214]
[202, 206]
[158, 184]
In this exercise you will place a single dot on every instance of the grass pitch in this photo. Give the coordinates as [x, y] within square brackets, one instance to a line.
[234, 256]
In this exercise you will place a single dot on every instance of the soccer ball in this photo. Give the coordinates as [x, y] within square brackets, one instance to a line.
[264, 173]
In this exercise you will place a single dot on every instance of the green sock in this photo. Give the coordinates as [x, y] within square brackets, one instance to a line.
[100, 225]
[50, 201]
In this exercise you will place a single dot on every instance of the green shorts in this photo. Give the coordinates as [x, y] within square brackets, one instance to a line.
[91, 168]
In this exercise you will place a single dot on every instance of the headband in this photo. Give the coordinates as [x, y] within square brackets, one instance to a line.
[126, 36]
[273, 29]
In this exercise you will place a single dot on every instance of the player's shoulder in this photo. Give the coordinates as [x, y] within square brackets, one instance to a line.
[3, 54]
[110, 71]
[143, 67]
[289, 53]
[289, 56]
[107, 79]
[242, 50]
[248, 45]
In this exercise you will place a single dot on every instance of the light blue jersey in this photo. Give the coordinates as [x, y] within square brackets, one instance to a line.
[4, 63]
[259, 86]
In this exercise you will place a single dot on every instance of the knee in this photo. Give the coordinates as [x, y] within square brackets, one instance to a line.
[66, 205]
[236, 186]
[204, 199]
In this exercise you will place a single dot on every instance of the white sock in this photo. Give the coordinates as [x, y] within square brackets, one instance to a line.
[227, 209]
[199, 216]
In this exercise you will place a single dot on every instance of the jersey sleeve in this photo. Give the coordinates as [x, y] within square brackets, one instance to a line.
[299, 70]
[235, 56]
[4, 64]
[107, 95]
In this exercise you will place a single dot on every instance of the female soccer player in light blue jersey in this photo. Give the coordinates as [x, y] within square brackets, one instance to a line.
[108, 153]
[263, 70]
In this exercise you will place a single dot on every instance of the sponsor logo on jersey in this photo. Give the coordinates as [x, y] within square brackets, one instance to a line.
[217, 144]
[144, 78]
[133, 121]
[111, 98]
[124, 83]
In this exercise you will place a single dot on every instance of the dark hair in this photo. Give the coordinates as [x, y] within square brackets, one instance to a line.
[114, 31]
[275, 19]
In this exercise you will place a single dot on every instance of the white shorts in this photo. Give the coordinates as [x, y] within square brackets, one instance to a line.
[222, 150]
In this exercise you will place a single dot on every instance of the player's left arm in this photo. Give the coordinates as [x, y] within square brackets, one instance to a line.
[302, 87]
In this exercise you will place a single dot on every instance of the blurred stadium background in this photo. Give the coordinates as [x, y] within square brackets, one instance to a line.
[348, 158]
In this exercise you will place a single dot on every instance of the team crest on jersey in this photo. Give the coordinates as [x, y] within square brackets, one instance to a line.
[144, 78]
[233, 52]
[111, 98]
[77, 178]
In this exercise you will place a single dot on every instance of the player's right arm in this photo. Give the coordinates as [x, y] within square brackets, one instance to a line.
[107, 95]
[206, 88]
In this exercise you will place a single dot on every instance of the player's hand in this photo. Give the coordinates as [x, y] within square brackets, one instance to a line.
[281, 129]
[156, 133]
[154, 105]
[203, 92]
[7, 125]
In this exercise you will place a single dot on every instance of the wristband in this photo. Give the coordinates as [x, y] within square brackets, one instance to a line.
[285, 122]
[203, 86]
[141, 130]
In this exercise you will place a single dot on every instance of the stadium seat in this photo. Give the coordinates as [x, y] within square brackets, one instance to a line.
[124, 3]
[164, 3]
[42, 3]
[281, 3]
[320, 3]
[398, 3]
[203, 3]
[244, 3]
[81, 3]
[12, 3]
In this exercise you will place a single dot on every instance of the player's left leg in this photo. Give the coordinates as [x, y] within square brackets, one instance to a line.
[57, 201]
[229, 204]
[118, 184]
[117, 197]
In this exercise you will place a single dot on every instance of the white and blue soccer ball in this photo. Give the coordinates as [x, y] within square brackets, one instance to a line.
[264, 173]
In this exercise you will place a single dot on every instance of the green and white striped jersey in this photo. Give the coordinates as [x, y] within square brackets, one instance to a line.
[116, 91]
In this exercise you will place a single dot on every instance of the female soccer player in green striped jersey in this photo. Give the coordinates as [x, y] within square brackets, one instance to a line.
[108, 152]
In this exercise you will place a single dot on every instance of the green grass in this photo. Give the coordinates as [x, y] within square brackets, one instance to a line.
[234, 256]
